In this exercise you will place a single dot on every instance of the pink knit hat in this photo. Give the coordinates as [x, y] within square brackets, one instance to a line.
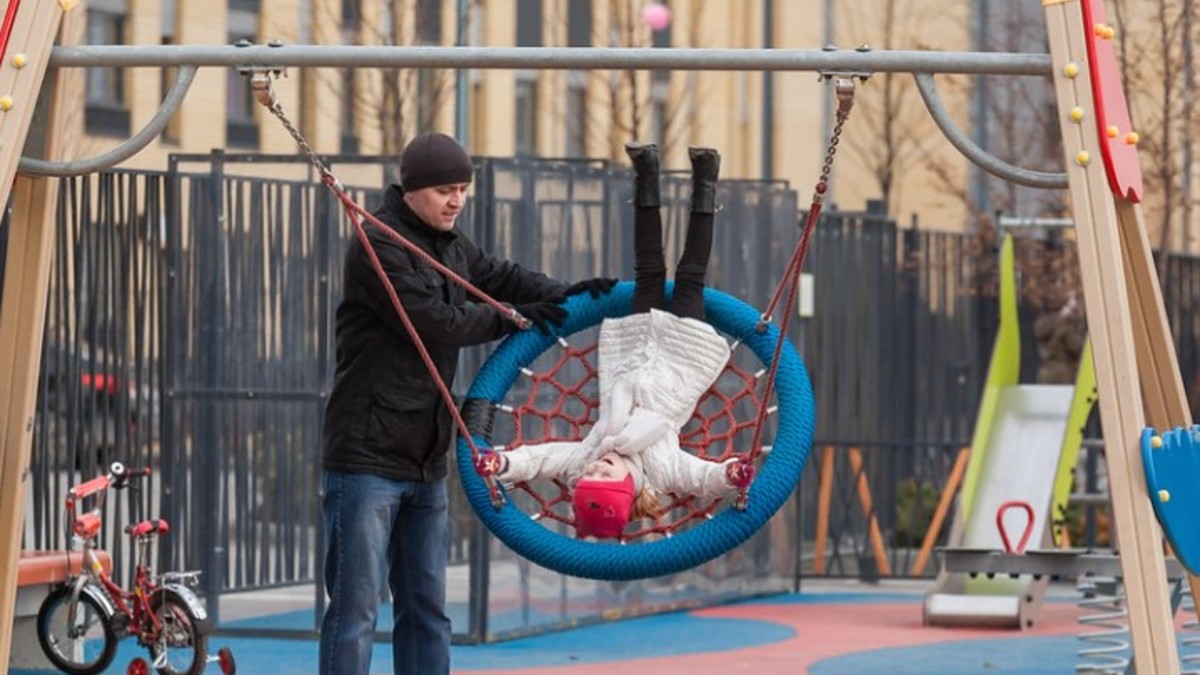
[602, 507]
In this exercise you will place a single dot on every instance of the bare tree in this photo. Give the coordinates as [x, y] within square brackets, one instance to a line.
[1162, 94]
[400, 103]
[633, 104]
[886, 111]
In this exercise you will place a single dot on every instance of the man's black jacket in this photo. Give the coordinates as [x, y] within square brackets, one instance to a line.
[385, 415]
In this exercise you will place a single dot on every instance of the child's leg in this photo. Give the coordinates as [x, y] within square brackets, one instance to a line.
[693, 264]
[649, 269]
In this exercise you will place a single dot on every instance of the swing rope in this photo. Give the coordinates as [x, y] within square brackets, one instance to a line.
[261, 83]
[790, 282]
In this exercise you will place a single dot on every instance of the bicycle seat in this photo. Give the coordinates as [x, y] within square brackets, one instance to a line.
[157, 526]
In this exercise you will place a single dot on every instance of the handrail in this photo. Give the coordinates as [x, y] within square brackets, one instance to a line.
[126, 149]
[982, 158]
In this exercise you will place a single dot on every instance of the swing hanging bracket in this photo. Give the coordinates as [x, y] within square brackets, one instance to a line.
[261, 76]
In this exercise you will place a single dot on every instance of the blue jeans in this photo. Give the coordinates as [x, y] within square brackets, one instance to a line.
[381, 531]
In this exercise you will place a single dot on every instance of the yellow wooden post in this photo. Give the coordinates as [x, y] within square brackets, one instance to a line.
[26, 277]
[1112, 277]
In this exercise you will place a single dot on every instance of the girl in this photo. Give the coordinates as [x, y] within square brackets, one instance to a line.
[653, 367]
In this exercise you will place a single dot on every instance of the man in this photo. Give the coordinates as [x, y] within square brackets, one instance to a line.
[387, 429]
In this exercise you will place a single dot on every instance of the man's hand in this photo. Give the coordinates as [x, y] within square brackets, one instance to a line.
[490, 463]
[542, 314]
[739, 473]
[595, 287]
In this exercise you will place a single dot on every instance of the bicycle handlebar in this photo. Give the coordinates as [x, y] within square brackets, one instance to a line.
[118, 476]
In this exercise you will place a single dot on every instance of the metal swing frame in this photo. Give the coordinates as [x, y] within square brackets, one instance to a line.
[1125, 302]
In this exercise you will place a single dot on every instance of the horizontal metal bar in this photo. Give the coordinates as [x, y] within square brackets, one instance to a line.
[243, 395]
[560, 58]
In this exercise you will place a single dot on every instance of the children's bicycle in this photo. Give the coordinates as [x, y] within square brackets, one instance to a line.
[81, 621]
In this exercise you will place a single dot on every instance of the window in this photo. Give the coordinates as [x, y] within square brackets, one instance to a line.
[576, 114]
[429, 95]
[529, 23]
[660, 118]
[579, 23]
[525, 122]
[660, 86]
[429, 22]
[529, 34]
[351, 13]
[105, 110]
[348, 133]
[661, 38]
[170, 133]
[575, 109]
[241, 130]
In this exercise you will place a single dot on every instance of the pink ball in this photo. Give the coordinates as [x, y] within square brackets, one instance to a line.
[656, 16]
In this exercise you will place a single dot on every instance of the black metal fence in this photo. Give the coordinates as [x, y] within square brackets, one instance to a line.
[189, 329]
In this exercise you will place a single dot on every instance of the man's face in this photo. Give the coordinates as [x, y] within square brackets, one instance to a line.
[439, 205]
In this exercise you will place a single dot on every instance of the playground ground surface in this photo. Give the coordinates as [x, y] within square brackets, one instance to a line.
[830, 627]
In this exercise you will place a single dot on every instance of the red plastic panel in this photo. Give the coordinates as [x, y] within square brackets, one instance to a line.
[1112, 110]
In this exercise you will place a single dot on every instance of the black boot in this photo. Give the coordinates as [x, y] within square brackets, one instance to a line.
[645, 168]
[706, 164]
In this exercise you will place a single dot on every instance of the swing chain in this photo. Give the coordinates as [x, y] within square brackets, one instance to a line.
[260, 82]
[844, 87]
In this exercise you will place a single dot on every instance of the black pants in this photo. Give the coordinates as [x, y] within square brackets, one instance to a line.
[650, 270]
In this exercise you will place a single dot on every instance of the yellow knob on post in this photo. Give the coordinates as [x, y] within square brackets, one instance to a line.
[1076, 114]
[19, 60]
[1083, 159]
[6, 103]
[1071, 70]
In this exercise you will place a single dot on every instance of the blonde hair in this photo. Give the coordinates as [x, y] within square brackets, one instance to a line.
[646, 504]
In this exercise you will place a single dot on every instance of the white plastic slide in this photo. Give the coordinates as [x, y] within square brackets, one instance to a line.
[1019, 466]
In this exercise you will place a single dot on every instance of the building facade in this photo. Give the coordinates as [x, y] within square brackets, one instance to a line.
[767, 125]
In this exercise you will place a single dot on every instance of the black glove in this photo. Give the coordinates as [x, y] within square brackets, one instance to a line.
[542, 314]
[595, 287]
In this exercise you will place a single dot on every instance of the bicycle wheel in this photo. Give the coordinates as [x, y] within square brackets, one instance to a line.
[181, 647]
[75, 636]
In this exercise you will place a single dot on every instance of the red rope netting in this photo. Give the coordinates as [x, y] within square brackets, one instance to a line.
[557, 401]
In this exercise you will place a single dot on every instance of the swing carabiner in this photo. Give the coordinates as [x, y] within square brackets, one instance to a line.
[844, 88]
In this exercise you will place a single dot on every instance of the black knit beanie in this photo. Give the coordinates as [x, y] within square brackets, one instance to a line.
[433, 159]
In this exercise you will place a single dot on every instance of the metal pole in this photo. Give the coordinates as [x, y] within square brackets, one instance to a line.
[461, 78]
[554, 58]
[979, 112]
[768, 101]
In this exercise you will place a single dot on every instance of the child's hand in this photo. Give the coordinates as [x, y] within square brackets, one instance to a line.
[739, 473]
[490, 463]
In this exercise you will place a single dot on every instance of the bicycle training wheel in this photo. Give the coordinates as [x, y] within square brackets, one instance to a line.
[181, 647]
[75, 636]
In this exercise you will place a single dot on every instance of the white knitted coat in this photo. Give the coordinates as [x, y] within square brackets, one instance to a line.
[653, 368]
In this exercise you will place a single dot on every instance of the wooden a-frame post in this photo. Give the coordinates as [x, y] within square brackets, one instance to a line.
[27, 35]
[1136, 367]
